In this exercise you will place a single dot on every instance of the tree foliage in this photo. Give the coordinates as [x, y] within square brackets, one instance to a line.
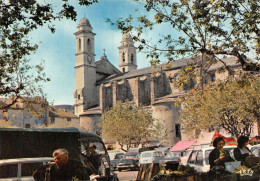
[17, 20]
[215, 28]
[6, 124]
[127, 124]
[232, 105]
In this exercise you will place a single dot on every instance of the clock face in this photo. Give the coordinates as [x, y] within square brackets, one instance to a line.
[89, 59]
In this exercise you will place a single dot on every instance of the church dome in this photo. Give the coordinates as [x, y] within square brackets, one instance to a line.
[127, 36]
[127, 39]
[84, 22]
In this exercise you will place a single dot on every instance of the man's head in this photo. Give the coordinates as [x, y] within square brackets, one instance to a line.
[92, 148]
[61, 157]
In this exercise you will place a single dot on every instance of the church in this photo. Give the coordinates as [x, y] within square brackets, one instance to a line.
[99, 84]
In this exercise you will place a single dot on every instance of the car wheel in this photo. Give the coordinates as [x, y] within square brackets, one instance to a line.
[119, 170]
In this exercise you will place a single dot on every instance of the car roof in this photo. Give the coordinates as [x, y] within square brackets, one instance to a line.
[177, 151]
[26, 160]
[131, 153]
[152, 151]
[127, 159]
[133, 149]
[212, 147]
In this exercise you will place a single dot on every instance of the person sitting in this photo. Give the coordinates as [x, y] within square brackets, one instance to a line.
[242, 151]
[219, 156]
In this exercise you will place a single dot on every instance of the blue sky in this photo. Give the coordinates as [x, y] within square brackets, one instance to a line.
[58, 49]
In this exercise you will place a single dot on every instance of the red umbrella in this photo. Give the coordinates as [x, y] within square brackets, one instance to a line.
[255, 139]
[227, 140]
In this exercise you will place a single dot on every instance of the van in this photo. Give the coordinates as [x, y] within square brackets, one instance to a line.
[22, 168]
[41, 142]
[150, 157]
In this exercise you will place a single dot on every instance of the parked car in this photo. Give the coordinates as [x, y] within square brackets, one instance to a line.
[127, 163]
[151, 157]
[148, 148]
[115, 158]
[22, 168]
[165, 150]
[199, 159]
[172, 159]
[133, 155]
[184, 158]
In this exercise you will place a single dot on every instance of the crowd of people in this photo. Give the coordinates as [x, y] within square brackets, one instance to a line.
[64, 168]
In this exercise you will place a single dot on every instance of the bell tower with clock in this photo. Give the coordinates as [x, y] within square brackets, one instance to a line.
[85, 93]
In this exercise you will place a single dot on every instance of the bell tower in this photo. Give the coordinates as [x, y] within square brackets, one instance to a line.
[127, 54]
[85, 93]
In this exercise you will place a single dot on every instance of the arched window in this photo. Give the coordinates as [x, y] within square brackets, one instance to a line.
[132, 58]
[79, 44]
[89, 45]
[123, 70]
[123, 57]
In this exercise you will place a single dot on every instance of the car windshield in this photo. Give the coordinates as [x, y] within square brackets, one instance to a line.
[207, 156]
[130, 155]
[187, 153]
[157, 154]
[119, 156]
[126, 161]
[256, 152]
[100, 147]
[174, 154]
[146, 155]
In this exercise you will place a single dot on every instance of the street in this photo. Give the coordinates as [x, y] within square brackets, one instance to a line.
[126, 175]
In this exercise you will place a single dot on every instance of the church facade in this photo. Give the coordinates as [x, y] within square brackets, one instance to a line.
[99, 84]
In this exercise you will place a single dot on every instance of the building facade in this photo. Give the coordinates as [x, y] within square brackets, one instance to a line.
[26, 112]
[99, 84]
[62, 118]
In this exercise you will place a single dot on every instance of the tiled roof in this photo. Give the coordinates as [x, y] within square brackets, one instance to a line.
[61, 113]
[105, 67]
[232, 61]
[94, 110]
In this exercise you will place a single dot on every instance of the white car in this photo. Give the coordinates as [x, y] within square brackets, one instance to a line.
[255, 149]
[21, 169]
[184, 158]
[199, 158]
[150, 157]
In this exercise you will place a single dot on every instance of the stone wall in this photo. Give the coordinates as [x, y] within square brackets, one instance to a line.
[106, 96]
[161, 85]
[168, 115]
[90, 122]
[144, 91]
